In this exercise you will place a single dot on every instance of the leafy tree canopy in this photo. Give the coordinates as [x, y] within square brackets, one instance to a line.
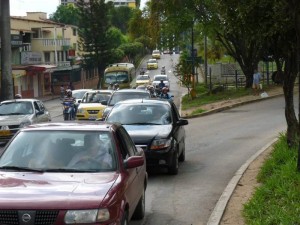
[67, 14]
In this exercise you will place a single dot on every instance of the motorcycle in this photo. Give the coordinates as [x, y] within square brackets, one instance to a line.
[68, 111]
[163, 70]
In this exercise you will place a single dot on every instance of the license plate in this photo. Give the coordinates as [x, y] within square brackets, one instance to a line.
[5, 132]
[93, 117]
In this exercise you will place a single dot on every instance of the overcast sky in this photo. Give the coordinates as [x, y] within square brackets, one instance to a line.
[20, 7]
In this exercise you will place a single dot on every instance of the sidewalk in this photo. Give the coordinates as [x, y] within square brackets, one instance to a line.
[273, 91]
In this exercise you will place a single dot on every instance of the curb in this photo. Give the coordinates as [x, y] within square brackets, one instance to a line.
[227, 107]
[219, 209]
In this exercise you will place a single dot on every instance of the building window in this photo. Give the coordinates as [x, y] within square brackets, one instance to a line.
[47, 56]
[74, 32]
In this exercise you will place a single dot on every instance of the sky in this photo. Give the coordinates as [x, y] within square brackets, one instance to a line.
[20, 7]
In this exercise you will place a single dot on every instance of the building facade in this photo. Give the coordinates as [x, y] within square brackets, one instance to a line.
[45, 56]
[117, 3]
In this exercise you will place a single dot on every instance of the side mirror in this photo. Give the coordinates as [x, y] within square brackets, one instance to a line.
[182, 122]
[40, 112]
[79, 101]
[133, 162]
[104, 102]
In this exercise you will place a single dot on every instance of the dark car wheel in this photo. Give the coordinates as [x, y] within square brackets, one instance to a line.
[125, 219]
[139, 211]
[173, 168]
[182, 155]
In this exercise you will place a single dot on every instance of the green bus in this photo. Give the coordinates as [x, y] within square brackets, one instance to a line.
[121, 73]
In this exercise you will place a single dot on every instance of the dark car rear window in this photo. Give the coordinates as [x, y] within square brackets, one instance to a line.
[117, 97]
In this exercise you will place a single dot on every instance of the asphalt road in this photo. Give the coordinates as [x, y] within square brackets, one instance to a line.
[216, 147]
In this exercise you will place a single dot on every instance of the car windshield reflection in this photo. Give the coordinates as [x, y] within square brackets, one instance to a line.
[128, 114]
[60, 151]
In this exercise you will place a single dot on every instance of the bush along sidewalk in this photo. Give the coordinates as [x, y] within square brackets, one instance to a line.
[277, 200]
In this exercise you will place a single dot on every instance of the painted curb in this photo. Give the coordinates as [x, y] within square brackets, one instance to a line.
[219, 209]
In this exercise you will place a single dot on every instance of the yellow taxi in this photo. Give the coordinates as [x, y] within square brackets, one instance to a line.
[90, 107]
[143, 80]
[156, 54]
[152, 64]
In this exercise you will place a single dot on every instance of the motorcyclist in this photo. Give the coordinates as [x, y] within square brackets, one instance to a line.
[116, 86]
[18, 96]
[164, 93]
[161, 85]
[71, 100]
[142, 71]
[151, 90]
[110, 86]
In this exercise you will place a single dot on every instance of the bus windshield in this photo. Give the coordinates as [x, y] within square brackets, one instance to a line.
[116, 77]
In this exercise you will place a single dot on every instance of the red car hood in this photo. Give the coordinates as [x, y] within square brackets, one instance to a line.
[54, 190]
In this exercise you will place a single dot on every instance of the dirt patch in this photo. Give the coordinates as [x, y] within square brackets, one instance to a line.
[243, 191]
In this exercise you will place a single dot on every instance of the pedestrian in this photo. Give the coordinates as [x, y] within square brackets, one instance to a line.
[256, 81]
[71, 86]
[62, 92]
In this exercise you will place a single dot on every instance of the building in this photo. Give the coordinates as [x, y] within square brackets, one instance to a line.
[45, 55]
[117, 3]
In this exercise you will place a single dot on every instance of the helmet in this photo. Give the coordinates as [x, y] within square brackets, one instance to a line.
[165, 89]
[18, 96]
[116, 85]
[69, 92]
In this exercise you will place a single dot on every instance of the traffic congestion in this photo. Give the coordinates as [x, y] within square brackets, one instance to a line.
[61, 146]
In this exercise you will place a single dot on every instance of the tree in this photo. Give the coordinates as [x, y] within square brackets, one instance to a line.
[67, 14]
[120, 16]
[93, 34]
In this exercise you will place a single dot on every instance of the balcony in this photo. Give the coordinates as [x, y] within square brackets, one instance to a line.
[50, 44]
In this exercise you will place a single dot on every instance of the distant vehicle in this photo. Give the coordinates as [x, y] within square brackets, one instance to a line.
[72, 173]
[156, 54]
[90, 107]
[166, 51]
[157, 78]
[152, 64]
[18, 113]
[143, 80]
[78, 94]
[121, 73]
[122, 95]
[156, 127]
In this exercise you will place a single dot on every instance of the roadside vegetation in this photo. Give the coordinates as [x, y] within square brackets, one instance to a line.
[277, 199]
[206, 96]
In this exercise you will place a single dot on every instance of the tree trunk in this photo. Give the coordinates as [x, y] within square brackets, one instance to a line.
[290, 75]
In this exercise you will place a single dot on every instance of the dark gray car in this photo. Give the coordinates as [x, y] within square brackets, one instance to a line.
[121, 95]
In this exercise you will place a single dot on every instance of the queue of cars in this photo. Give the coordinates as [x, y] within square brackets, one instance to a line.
[54, 176]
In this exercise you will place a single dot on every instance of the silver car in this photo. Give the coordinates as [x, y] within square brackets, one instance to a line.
[18, 113]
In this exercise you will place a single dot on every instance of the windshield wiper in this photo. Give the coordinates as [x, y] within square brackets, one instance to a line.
[68, 170]
[142, 123]
[15, 114]
[20, 168]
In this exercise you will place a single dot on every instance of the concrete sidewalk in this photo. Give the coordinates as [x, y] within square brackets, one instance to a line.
[272, 91]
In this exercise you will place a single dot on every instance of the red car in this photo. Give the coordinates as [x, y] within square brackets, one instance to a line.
[72, 173]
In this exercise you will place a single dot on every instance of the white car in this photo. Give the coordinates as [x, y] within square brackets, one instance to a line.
[157, 79]
[78, 94]
[18, 113]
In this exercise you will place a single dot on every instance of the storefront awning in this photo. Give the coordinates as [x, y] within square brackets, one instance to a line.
[18, 73]
[40, 68]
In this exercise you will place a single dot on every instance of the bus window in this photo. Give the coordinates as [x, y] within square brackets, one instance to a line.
[122, 78]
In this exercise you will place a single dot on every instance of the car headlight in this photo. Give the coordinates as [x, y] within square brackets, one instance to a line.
[24, 124]
[159, 144]
[80, 111]
[86, 216]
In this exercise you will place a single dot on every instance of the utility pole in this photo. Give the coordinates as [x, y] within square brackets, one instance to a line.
[7, 89]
